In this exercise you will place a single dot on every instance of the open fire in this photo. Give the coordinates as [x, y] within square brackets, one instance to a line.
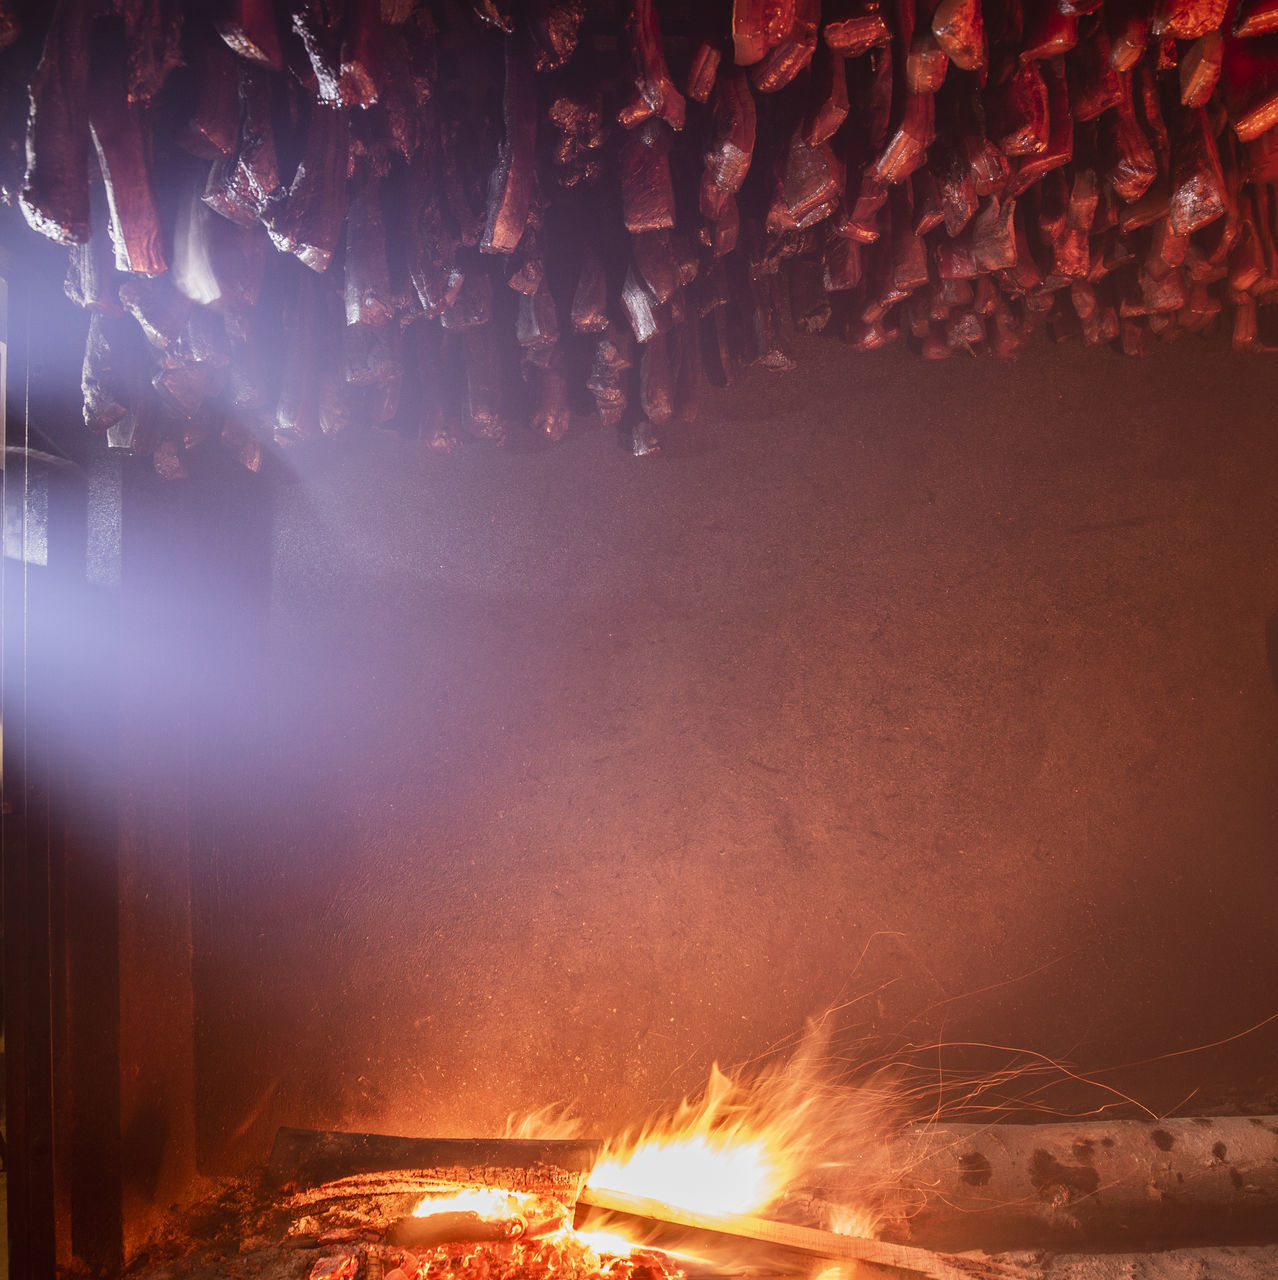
[787, 1172]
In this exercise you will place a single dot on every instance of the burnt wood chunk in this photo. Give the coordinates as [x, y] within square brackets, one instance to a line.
[510, 189]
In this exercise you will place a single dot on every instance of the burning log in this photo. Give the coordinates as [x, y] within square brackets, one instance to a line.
[807, 1240]
[451, 1228]
[1171, 1180]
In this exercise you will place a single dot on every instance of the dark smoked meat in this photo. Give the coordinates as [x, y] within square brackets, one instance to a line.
[612, 360]
[655, 92]
[55, 189]
[554, 26]
[109, 372]
[249, 29]
[647, 190]
[367, 278]
[1198, 183]
[701, 75]
[857, 35]
[1188, 19]
[829, 100]
[522, 200]
[960, 30]
[214, 126]
[788, 58]
[590, 298]
[307, 222]
[153, 30]
[511, 186]
[317, 22]
[243, 187]
[360, 63]
[124, 156]
[92, 281]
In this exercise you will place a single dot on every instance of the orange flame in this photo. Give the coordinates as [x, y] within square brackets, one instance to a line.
[748, 1142]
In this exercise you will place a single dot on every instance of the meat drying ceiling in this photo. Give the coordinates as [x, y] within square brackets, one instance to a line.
[284, 216]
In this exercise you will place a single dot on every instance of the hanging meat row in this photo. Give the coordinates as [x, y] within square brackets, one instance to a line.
[286, 216]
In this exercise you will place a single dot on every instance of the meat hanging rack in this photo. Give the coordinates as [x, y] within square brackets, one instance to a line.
[454, 219]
